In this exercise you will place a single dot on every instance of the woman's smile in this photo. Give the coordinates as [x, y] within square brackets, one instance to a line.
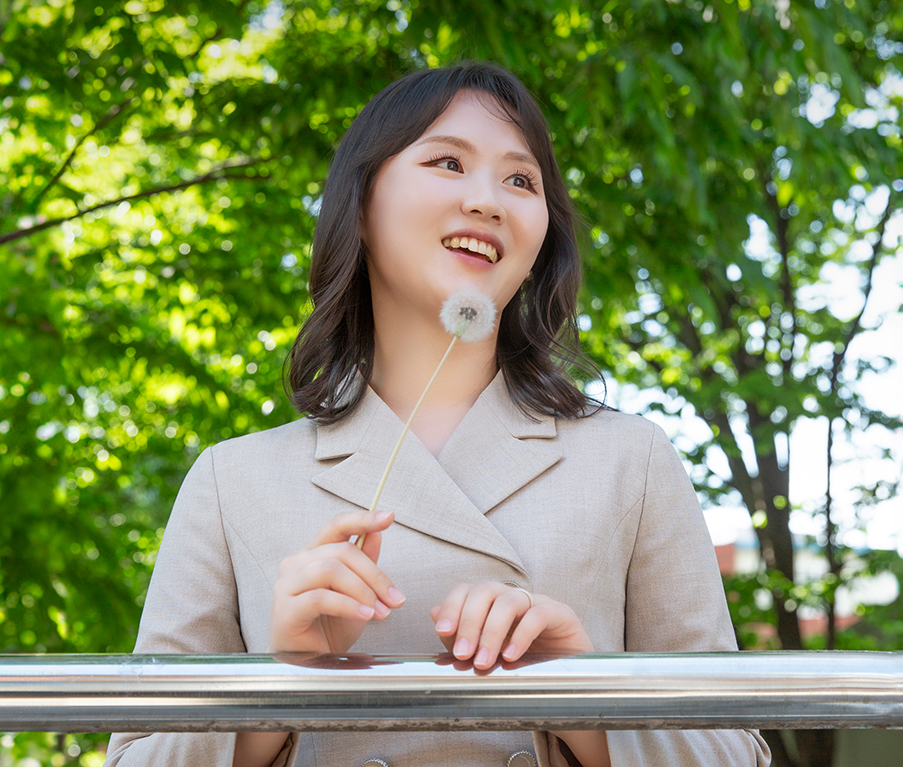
[474, 245]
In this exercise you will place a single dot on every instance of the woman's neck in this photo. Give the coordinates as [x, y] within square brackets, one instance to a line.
[405, 357]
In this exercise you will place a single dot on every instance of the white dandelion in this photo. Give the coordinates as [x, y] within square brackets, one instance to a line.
[468, 315]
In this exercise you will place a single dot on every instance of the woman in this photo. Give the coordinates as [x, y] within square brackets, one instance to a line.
[524, 517]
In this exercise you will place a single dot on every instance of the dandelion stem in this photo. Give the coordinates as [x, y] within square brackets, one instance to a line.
[407, 426]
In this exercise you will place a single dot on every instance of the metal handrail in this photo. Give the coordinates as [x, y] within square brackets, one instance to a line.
[194, 693]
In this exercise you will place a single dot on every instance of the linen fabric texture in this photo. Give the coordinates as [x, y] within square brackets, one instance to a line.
[597, 513]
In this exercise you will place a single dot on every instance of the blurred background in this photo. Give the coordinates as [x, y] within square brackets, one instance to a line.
[738, 168]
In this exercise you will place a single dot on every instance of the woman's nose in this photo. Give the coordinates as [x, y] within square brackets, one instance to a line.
[482, 198]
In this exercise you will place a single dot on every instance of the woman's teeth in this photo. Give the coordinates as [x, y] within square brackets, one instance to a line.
[474, 246]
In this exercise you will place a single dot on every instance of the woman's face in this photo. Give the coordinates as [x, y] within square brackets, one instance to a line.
[462, 207]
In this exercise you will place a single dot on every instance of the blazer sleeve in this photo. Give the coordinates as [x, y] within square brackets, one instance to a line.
[192, 608]
[675, 603]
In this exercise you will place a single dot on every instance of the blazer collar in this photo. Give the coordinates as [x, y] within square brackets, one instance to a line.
[494, 452]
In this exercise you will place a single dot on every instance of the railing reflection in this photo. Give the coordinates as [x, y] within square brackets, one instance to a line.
[191, 693]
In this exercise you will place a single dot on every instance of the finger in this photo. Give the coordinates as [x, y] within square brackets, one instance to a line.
[304, 609]
[384, 587]
[533, 623]
[339, 566]
[380, 582]
[343, 526]
[372, 545]
[447, 640]
[505, 613]
[297, 615]
[474, 612]
[329, 573]
[361, 541]
[449, 612]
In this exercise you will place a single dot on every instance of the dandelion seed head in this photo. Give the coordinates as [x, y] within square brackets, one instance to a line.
[469, 315]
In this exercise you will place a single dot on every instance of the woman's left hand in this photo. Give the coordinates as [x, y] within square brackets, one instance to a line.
[486, 620]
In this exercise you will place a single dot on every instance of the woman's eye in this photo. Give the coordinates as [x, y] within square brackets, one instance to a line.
[449, 163]
[521, 181]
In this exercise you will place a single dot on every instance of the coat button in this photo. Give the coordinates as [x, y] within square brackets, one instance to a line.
[374, 761]
[521, 759]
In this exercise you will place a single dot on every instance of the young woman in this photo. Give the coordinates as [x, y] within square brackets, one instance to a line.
[519, 516]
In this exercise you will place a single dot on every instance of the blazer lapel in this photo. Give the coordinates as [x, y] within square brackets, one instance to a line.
[497, 449]
[419, 490]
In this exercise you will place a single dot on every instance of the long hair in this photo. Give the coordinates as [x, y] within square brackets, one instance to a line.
[331, 360]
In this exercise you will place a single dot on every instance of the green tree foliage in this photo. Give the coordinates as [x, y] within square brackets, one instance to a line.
[160, 169]
[730, 332]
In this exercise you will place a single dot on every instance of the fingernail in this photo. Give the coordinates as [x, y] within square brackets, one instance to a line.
[462, 648]
[381, 610]
[367, 612]
[510, 651]
[396, 596]
[382, 516]
[444, 625]
[482, 657]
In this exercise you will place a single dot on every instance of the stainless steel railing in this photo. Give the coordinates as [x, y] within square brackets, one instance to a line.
[189, 693]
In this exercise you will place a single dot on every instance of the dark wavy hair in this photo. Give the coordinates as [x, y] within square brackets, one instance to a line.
[537, 329]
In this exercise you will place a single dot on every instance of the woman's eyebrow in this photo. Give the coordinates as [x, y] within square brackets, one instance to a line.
[466, 146]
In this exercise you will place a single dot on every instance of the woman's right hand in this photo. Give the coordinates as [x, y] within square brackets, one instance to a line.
[327, 592]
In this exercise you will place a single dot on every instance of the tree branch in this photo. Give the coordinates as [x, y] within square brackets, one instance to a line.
[856, 325]
[723, 300]
[99, 125]
[834, 563]
[113, 113]
[830, 549]
[781, 226]
[749, 487]
[222, 171]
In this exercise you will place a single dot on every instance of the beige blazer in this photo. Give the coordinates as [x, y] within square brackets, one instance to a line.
[597, 513]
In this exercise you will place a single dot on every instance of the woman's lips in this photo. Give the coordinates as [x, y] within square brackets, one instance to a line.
[473, 245]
